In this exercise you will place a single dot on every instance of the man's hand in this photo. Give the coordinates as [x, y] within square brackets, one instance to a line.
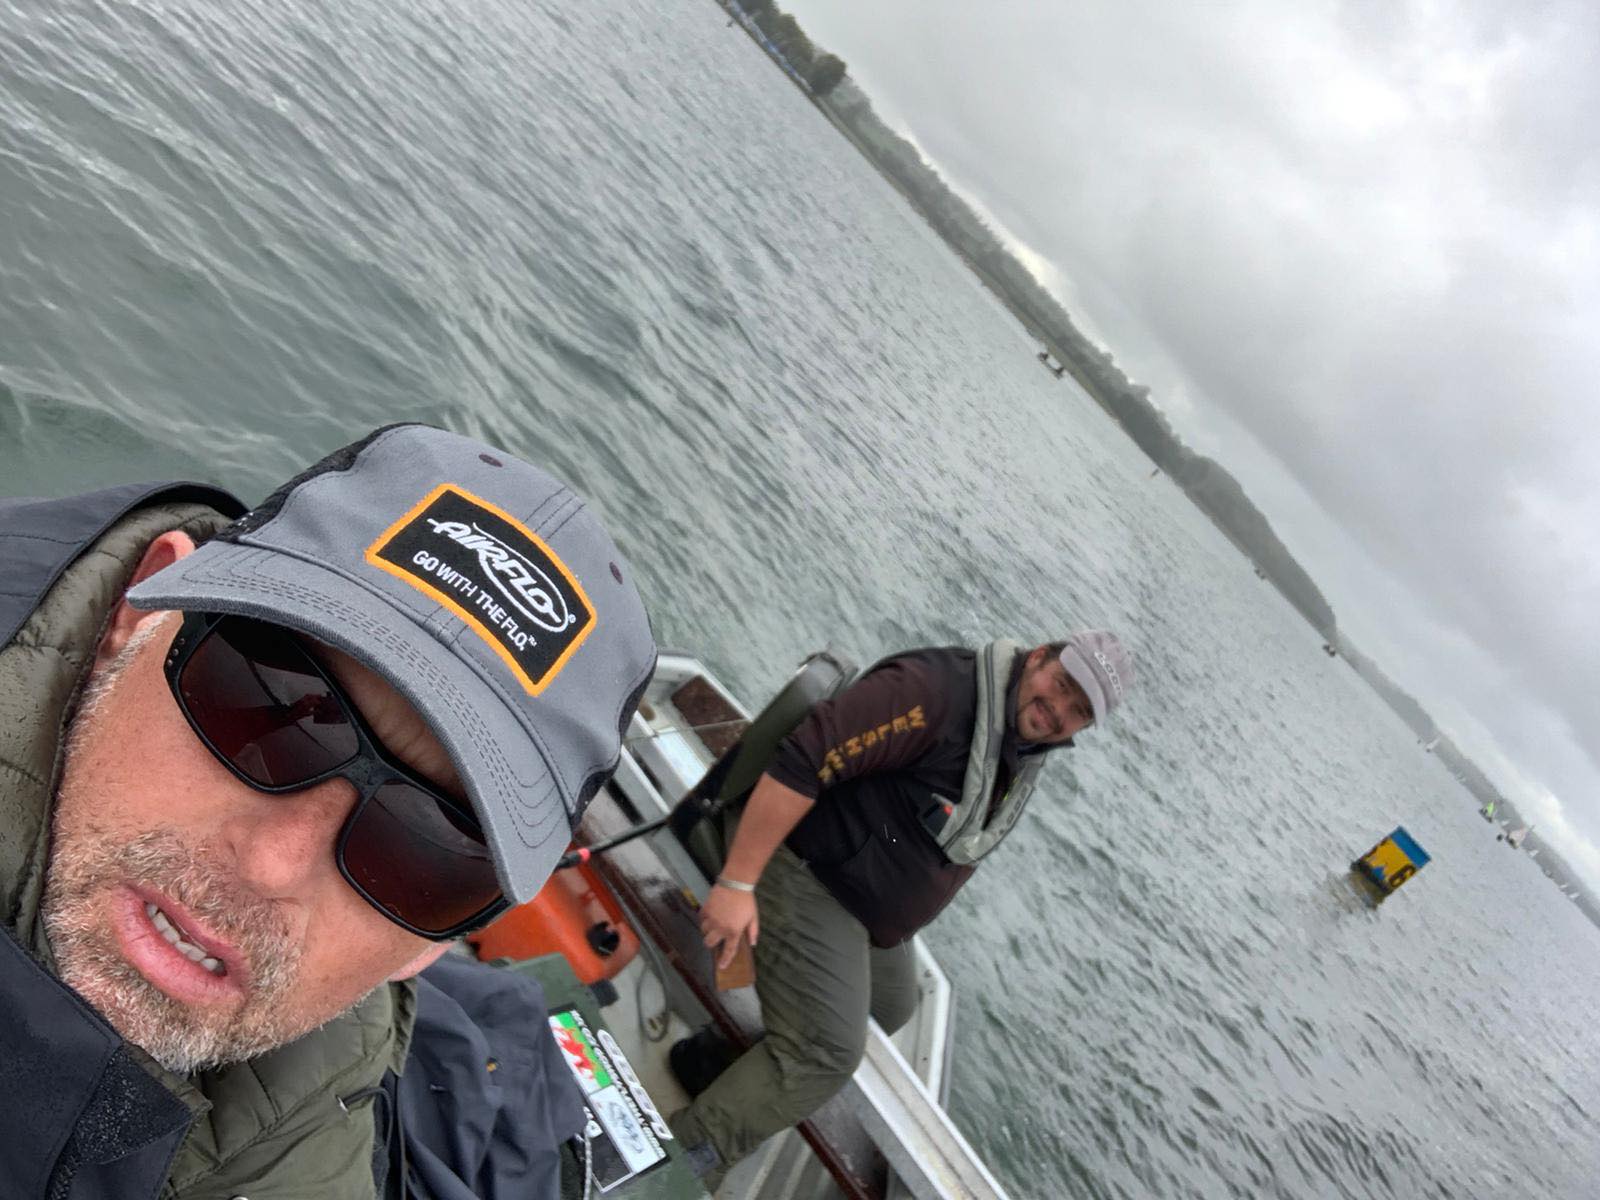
[725, 917]
[728, 915]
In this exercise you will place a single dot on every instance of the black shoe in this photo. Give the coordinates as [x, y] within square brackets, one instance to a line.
[698, 1059]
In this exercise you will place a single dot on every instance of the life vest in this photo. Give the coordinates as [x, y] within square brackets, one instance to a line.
[970, 833]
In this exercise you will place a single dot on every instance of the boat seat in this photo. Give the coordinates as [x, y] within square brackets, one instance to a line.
[697, 819]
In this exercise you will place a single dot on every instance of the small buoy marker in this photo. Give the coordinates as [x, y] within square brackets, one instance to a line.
[1392, 861]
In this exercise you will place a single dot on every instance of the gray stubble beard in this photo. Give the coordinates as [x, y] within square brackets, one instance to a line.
[88, 865]
[82, 878]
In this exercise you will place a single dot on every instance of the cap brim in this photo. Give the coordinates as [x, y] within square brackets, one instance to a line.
[516, 797]
[1075, 665]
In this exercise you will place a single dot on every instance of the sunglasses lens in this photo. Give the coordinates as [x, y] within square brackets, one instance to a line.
[254, 693]
[420, 859]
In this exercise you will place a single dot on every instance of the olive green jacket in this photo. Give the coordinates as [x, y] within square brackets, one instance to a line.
[273, 1128]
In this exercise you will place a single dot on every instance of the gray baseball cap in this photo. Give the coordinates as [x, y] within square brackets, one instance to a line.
[484, 590]
[1099, 664]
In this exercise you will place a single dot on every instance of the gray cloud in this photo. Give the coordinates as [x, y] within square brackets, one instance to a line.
[1368, 234]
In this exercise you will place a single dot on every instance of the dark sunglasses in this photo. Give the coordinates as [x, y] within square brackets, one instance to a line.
[273, 715]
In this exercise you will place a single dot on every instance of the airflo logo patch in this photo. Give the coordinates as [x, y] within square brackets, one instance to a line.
[493, 573]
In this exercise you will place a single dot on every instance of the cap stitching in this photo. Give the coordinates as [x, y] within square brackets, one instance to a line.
[555, 520]
[556, 497]
[578, 508]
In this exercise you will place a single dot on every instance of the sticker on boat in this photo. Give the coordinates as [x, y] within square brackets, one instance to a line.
[625, 1134]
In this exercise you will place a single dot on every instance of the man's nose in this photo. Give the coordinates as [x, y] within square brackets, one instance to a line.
[283, 843]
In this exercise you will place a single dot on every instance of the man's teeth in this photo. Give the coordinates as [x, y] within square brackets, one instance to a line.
[168, 930]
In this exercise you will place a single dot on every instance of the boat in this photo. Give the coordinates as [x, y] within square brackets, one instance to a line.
[887, 1136]
[1487, 811]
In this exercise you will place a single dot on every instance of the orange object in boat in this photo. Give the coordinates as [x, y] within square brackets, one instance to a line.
[574, 915]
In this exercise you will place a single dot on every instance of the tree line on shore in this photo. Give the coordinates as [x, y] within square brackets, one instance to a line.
[1206, 482]
[821, 70]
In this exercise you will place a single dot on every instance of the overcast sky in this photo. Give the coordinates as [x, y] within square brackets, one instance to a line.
[1355, 250]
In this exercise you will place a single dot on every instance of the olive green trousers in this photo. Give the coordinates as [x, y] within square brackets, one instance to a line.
[818, 978]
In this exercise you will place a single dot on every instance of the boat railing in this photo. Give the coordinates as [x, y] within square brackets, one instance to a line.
[929, 1154]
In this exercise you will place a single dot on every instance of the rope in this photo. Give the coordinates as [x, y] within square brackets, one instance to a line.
[656, 733]
[588, 1158]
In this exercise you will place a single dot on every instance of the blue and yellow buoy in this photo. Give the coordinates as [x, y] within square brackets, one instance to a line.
[1391, 862]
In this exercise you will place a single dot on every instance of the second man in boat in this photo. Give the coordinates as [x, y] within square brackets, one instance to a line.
[873, 813]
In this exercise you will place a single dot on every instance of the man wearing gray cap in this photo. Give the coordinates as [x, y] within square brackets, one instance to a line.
[255, 776]
[873, 813]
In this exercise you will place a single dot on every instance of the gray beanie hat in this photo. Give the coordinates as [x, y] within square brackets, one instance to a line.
[1098, 662]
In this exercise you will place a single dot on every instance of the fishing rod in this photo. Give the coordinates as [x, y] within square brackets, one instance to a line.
[583, 854]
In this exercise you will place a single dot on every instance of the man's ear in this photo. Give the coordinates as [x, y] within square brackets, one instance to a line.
[419, 964]
[1036, 657]
[126, 620]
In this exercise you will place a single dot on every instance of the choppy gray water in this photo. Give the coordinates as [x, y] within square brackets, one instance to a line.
[609, 236]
